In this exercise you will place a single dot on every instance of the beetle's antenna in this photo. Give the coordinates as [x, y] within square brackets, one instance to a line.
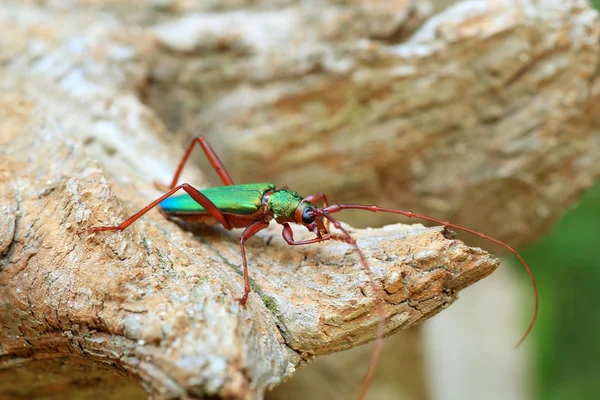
[379, 306]
[373, 208]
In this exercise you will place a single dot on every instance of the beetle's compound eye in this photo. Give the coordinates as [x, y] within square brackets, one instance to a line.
[308, 215]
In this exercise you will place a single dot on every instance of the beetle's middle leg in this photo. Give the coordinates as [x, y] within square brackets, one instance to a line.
[247, 234]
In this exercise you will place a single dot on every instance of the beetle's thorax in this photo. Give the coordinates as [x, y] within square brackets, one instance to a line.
[282, 205]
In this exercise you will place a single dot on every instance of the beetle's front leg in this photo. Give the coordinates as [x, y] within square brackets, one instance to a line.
[288, 236]
[313, 198]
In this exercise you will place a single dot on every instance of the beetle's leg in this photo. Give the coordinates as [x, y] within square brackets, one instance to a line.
[247, 234]
[193, 192]
[313, 198]
[288, 236]
[210, 155]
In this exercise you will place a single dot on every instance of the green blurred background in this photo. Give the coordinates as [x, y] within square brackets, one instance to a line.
[568, 327]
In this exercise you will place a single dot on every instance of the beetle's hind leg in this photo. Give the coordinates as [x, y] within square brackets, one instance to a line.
[212, 157]
[189, 189]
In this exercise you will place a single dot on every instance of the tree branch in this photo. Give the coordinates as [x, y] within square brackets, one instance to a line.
[161, 304]
[157, 303]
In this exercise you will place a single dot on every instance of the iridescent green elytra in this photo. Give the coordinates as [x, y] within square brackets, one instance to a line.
[241, 199]
[235, 199]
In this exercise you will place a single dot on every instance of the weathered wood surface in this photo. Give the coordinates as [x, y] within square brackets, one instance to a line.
[488, 114]
[161, 304]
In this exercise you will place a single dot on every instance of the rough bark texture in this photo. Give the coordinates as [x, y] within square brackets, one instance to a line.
[480, 117]
[160, 304]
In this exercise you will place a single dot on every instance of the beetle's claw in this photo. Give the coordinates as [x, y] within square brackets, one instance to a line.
[243, 300]
[85, 232]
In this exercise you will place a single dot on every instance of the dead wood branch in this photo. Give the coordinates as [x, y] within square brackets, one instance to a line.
[445, 116]
[160, 303]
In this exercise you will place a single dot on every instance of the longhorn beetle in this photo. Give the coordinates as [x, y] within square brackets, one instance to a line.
[252, 206]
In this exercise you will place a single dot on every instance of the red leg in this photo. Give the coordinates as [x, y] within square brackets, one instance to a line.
[379, 294]
[193, 192]
[247, 234]
[210, 155]
[288, 236]
[313, 198]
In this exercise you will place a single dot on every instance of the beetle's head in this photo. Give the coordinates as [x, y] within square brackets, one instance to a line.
[311, 217]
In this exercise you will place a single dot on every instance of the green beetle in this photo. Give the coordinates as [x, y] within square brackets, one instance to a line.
[252, 206]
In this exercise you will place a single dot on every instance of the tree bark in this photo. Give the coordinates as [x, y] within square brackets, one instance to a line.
[341, 100]
[161, 304]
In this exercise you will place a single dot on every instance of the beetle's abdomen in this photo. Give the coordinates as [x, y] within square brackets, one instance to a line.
[236, 199]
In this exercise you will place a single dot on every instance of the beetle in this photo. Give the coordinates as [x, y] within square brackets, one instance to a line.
[252, 207]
